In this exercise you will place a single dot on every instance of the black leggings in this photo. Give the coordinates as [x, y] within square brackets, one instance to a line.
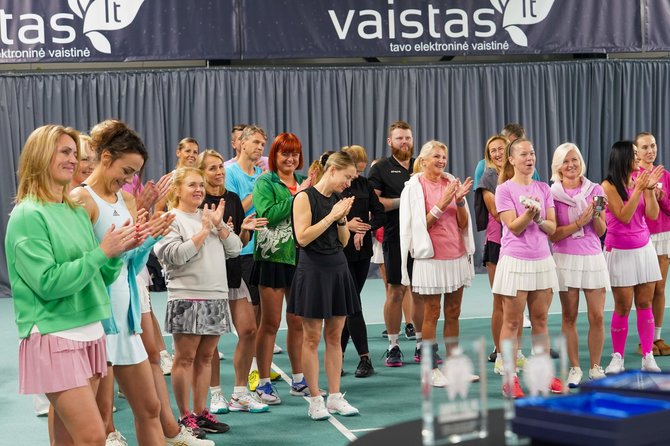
[355, 326]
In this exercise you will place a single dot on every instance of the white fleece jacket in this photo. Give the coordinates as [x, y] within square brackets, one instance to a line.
[414, 237]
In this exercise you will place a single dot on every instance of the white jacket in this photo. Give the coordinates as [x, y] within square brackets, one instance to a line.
[414, 237]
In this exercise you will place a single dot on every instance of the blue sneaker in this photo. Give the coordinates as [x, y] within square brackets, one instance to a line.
[267, 394]
[301, 389]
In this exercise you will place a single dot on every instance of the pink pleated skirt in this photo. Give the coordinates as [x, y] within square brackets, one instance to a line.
[49, 364]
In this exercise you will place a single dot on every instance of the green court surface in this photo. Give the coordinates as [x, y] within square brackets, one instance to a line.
[388, 397]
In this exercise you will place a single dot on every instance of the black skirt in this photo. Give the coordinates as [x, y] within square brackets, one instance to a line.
[272, 274]
[323, 287]
[491, 253]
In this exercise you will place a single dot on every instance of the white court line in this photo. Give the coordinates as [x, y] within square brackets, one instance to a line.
[370, 429]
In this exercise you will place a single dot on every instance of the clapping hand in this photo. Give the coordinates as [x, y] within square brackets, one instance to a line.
[341, 208]
[117, 241]
[216, 212]
[358, 226]
[250, 223]
[463, 189]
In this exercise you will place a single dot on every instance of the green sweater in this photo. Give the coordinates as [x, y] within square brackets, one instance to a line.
[273, 201]
[57, 271]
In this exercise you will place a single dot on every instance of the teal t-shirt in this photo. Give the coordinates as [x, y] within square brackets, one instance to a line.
[242, 184]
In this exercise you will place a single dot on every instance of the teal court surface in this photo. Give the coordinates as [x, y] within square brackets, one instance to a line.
[390, 396]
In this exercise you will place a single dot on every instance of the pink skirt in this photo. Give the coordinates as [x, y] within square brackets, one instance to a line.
[49, 364]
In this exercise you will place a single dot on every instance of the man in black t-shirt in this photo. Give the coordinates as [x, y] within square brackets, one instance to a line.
[388, 178]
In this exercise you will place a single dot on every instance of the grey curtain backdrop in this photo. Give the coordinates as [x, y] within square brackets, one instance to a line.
[590, 103]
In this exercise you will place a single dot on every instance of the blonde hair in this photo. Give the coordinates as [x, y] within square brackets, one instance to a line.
[178, 178]
[200, 161]
[559, 156]
[426, 150]
[339, 160]
[507, 171]
[488, 162]
[83, 140]
[34, 172]
[357, 153]
[318, 166]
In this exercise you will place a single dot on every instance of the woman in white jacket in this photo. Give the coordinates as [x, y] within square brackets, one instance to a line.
[438, 235]
[197, 311]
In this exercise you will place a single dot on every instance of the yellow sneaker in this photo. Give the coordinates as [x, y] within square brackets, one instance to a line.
[253, 380]
[274, 376]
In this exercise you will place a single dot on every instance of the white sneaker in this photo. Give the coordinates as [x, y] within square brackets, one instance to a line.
[526, 321]
[520, 360]
[218, 403]
[574, 377]
[596, 372]
[317, 409]
[166, 362]
[246, 403]
[616, 364]
[649, 363]
[437, 378]
[221, 357]
[338, 405]
[277, 349]
[499, 367]
[116, 439]
[185, 437]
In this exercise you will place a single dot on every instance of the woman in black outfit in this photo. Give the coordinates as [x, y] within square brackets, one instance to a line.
[323, 291]
[366, 215]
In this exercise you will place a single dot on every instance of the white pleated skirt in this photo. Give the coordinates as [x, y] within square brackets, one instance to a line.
[377, 253]
[585, 272]
[431, 276]
[661, 242]
[513, 275]
[630, 267]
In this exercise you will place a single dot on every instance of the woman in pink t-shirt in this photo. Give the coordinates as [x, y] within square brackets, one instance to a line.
[629, 253]
[660, 235]
[488, 219]
[526, 272]
[434, 228]
[580, 263]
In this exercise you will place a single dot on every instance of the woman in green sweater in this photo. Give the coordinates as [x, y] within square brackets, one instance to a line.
[275, 260]
[58, 272]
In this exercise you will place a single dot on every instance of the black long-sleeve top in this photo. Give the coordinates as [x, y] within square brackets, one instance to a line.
[365, 203]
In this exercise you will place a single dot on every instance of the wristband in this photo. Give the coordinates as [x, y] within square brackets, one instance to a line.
[395, 203]
[436, 212]
[460, 204]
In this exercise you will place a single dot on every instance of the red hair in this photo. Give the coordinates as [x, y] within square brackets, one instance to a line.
[285, 142]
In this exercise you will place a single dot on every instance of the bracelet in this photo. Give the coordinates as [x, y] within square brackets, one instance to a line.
[326, 222]
[460, 204]
[436, 212]
[577, 224]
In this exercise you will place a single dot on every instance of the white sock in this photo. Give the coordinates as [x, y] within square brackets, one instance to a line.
[419, 336]
[297, 377]
[263, 381]
[657, 333]
[335, 395]
[239, 390]
[214, 389]
[164, 353]
[393, 340]
[254, 365]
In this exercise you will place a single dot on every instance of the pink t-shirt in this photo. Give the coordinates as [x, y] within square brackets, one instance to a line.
[633, 235]
[587, 245]
[493, 230]
[135, 187]
[532, 244]
[445, 234]
[662, 223]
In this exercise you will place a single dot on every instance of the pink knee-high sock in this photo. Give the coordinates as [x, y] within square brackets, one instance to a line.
[645, 329]
[619, 331]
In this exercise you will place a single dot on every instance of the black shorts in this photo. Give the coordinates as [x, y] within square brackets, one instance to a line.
[392, 263]
[491, 253]
[247, 262]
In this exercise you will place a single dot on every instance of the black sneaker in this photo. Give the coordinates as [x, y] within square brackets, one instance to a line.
[436, 357]
[493, 356]
[364, 368]
[410, 332]
[417, 354]
[385, 334]
[208, 422]
[393, 357]
[553, 353]
[191, 422]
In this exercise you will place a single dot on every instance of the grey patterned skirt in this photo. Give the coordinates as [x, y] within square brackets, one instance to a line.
[198, 317]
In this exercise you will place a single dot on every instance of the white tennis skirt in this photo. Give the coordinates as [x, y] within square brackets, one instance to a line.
[585, 272]
[431, 276]
[630, 267]
[513, 275]
[661, 243]
[377, 253]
